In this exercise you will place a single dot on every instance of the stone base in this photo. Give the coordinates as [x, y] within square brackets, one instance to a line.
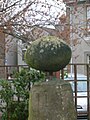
[52, 100]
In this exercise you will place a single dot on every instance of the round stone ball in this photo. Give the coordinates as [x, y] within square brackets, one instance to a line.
[48, 53]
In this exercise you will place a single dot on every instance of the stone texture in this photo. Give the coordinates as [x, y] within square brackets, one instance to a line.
[52, 100]
[48, 53]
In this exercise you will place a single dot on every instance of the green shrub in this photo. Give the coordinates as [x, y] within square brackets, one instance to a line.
[15, 94]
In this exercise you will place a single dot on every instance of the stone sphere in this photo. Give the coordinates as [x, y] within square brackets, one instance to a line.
[48, 53]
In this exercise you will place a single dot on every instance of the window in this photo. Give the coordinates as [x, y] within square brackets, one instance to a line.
[23, 54]
[88, 58]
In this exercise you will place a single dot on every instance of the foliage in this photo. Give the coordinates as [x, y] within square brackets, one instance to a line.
[27, 15]
[14, 94]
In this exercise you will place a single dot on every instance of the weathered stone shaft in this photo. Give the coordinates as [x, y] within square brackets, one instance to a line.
[52, 101]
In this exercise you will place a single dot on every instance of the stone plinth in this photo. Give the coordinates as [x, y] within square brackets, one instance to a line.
[52, 100]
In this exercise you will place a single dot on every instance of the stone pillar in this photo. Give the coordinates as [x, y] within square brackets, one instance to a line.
[52, 100]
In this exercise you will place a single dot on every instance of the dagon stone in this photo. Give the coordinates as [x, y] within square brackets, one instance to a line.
[48, 53]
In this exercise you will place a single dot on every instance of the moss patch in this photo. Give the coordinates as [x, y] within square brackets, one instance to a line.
[48, 54]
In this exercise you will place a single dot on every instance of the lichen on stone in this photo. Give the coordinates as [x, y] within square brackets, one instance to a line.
[50, 53]
[42, 50]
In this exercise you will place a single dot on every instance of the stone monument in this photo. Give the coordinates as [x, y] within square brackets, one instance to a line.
[51, 100]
